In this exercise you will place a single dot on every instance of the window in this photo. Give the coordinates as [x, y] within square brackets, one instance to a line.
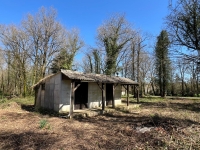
[43, 86]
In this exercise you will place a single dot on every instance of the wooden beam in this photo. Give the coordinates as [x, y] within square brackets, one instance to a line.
[137, 94]
[99, 85]
[113, 97]
[103, 96]
[72, 99]
[76, 87]
[125, 87]
[127, 98]
[115, 85]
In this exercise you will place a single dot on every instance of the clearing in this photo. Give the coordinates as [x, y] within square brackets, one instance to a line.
[155, 124]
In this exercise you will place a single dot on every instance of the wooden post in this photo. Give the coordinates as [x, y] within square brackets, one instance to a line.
[134, 93]
[127, 95]
[72, 100]
[113, 97]
[137, 94]
[103, 96]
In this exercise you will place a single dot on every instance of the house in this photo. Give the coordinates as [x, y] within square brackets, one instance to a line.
[68, 90]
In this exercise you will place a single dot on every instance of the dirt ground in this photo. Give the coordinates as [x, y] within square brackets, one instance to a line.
[170, 124]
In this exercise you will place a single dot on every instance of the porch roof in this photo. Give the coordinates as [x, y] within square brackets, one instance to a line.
[91, 77]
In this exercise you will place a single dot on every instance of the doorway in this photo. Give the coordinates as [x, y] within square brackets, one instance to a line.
[81, 96]
[109, 94]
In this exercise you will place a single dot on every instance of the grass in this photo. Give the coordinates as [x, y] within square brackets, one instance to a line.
[21, 101]
[2, 101]
[44, 124]
[174, 124]
[25, 103]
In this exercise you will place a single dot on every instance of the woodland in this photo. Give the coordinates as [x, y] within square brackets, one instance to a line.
[167, 116]
[41, 45]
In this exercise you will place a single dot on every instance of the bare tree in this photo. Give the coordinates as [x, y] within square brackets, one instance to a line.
[151, 75]
[193, 75]
[2, 62]
[92, 62]
[47, 36]
[30, 48]
[114, 36]
[144, 71]
[71, 46]
[16, 45]
[183, 24]
[182, 66]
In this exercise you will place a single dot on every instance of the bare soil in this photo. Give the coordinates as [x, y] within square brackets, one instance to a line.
[169, 124]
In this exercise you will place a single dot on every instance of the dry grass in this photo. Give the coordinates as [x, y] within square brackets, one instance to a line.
[173, 124]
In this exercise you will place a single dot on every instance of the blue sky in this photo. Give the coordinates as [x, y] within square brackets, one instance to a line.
[88, 15]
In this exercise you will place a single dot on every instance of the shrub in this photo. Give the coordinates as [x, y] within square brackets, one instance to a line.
[43, 124]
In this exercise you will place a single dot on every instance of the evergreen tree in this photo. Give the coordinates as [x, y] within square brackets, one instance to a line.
[60, 62]
[65, 58]
[162, 62]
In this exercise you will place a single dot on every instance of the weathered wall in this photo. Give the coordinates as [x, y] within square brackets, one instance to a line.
[118, 91]
[65, 96]
[94, 95]
[38, 98]
[50, 97]
[57, 94]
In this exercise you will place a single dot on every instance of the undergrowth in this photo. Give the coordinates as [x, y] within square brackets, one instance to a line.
[43, 124]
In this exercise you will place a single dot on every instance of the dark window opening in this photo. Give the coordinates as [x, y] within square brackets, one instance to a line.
[109, 94]
[81, 95]
[43, 86]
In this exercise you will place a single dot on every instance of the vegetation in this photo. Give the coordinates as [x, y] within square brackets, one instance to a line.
[155, 123]
[65, 57]
[184, 24]
[20, 101]
[40, 45]
[114, 36]
[29, 49]
[44, 124]
[162, 62]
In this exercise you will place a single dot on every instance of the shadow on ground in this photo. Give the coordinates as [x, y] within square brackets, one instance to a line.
[125, 128]
[26, 140]
[174, 105]
[42, 111]
[112, 130]
[190, 105]
[141, 121]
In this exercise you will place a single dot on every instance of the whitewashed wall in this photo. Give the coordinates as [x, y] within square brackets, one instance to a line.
[94, 95]
[118, 91]
[65, 96]
[57, 95]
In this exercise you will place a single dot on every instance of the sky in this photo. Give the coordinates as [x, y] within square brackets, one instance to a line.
[87, 15]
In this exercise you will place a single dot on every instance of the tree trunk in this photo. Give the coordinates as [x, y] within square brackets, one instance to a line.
[153, 88]
[2, 86]
[182, 88]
